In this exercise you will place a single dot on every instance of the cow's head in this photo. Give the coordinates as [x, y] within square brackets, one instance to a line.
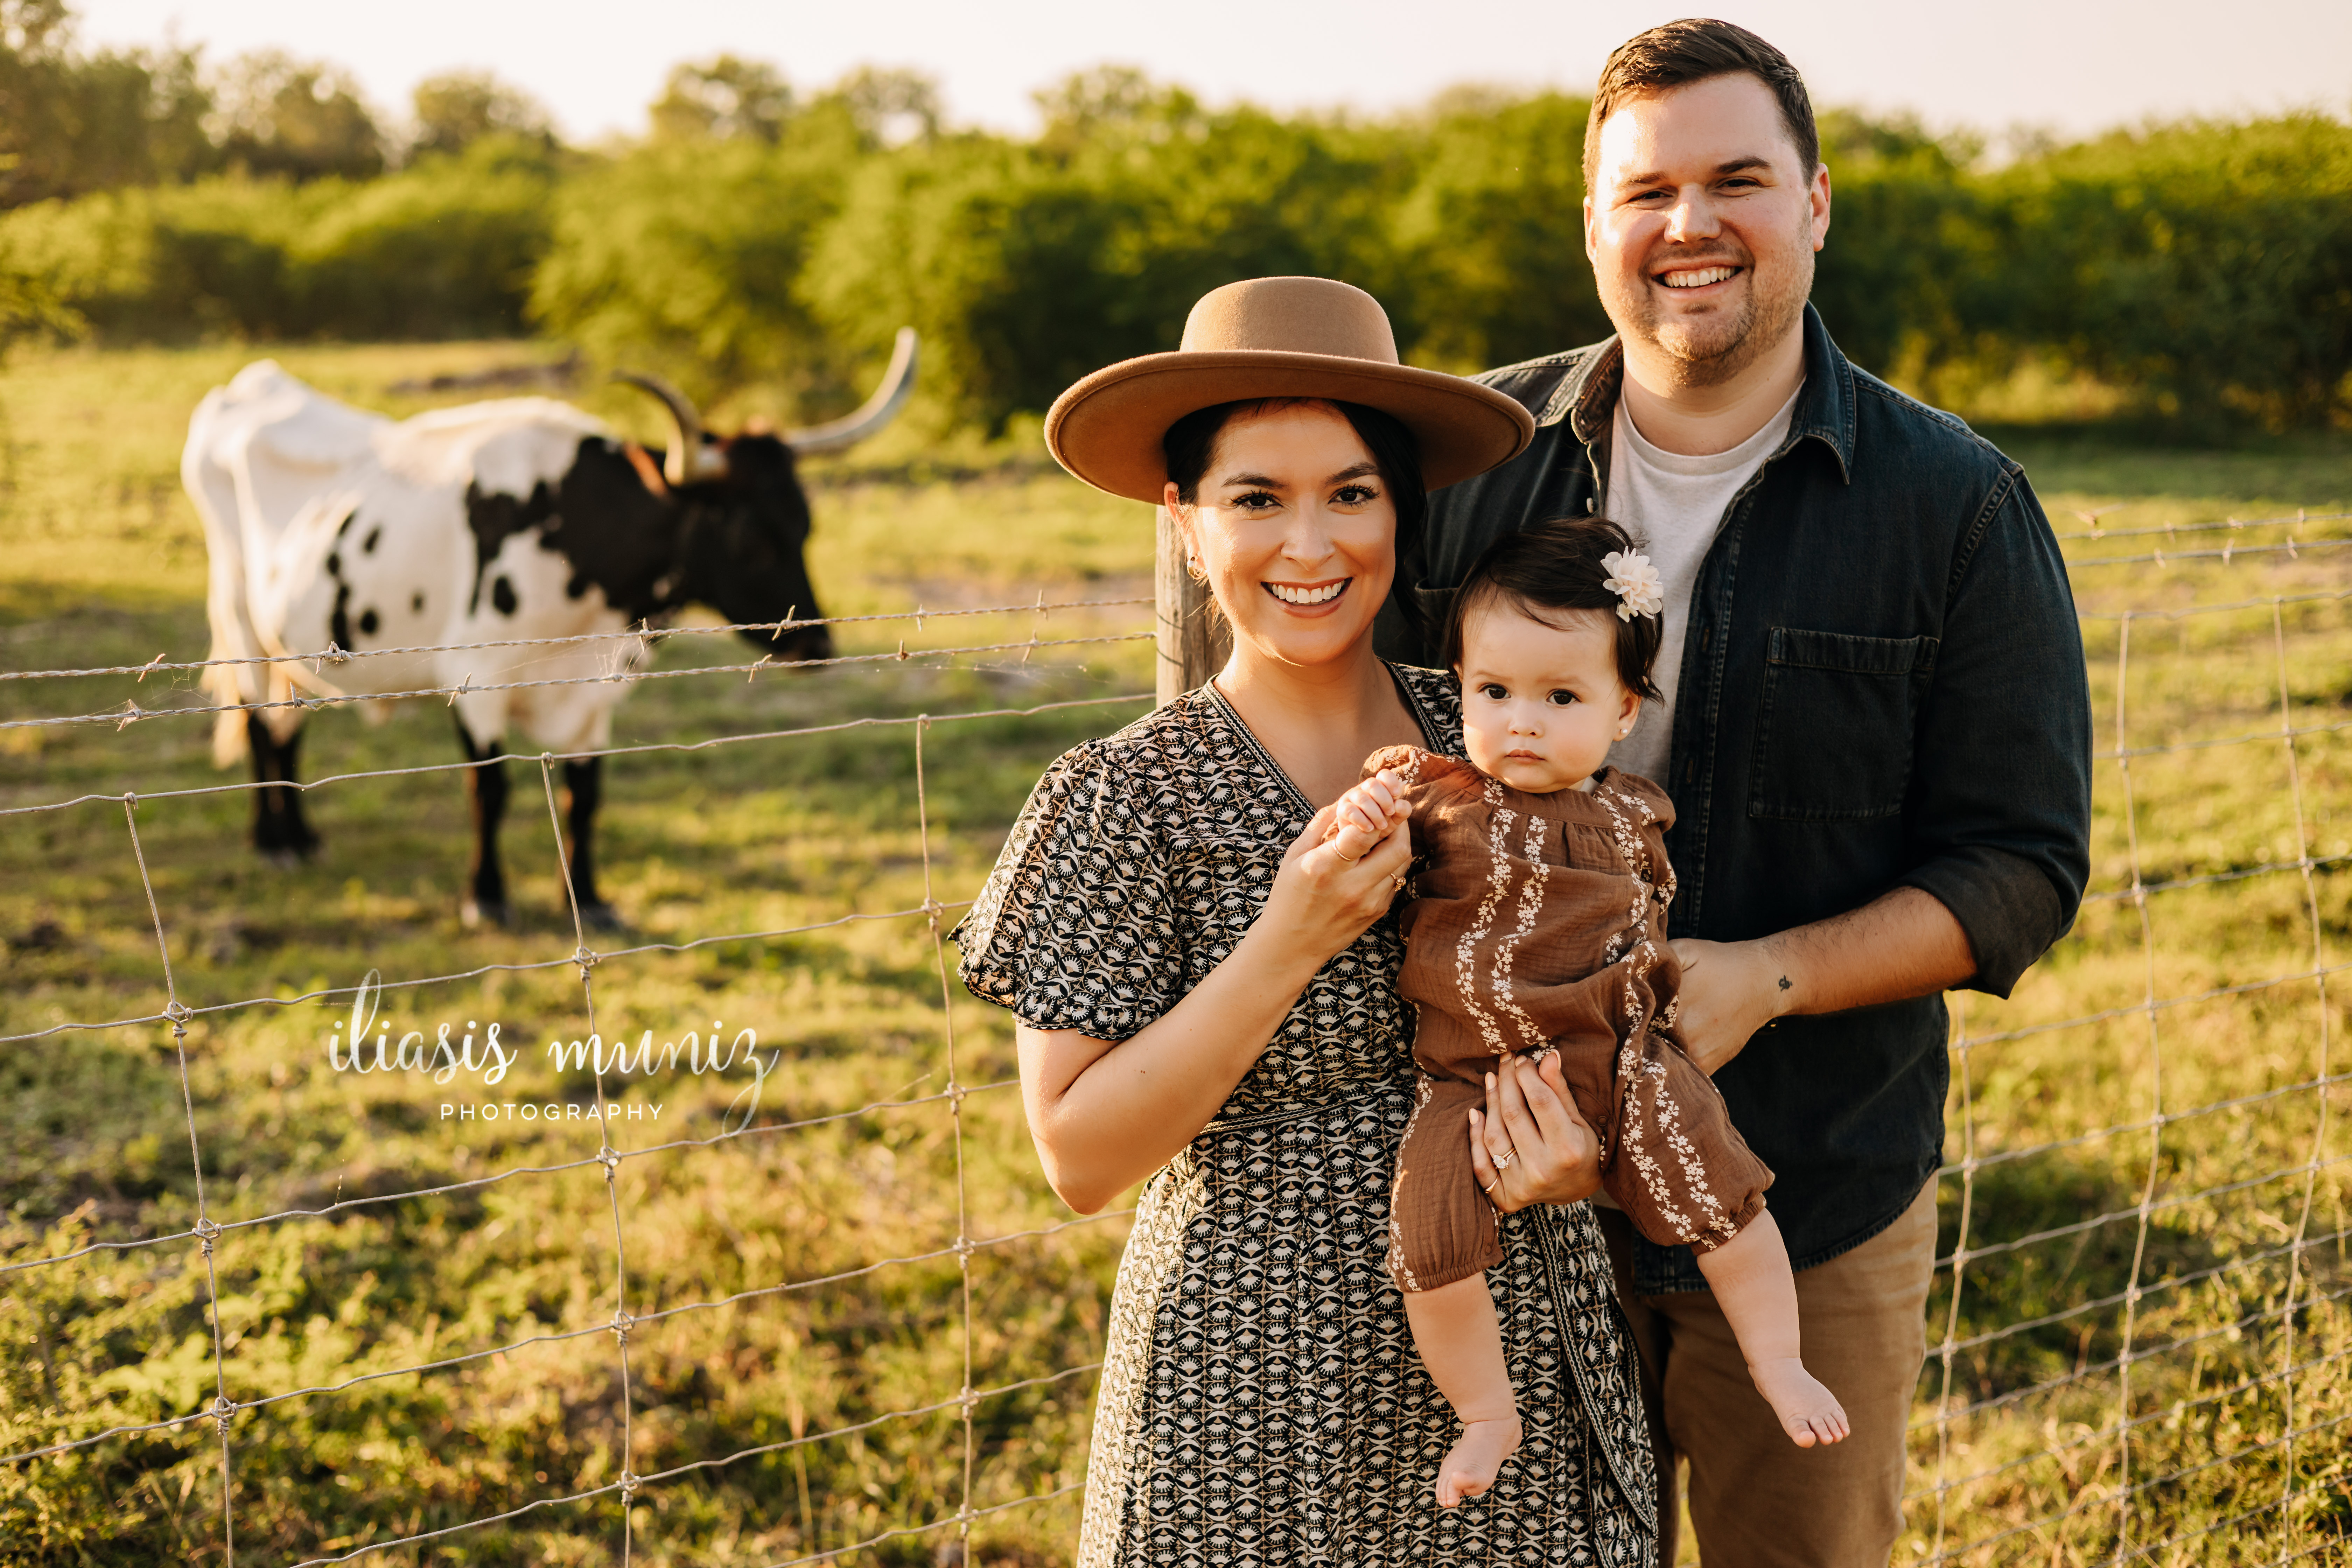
[742, 516]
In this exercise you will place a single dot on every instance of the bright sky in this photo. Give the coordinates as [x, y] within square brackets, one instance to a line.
[2070, 65]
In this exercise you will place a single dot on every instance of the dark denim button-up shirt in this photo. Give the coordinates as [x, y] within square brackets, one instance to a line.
[1882, 687]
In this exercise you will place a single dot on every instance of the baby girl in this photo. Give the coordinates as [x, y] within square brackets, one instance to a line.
[1538, 925]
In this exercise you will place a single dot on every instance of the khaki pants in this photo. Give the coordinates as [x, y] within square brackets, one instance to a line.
[1757, 1501]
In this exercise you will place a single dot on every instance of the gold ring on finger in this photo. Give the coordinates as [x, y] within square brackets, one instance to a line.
[1503, 1161]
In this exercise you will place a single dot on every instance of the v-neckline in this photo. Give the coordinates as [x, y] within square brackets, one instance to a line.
[1232, 716]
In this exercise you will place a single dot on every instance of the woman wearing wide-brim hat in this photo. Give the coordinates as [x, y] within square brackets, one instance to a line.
[1206, 1001]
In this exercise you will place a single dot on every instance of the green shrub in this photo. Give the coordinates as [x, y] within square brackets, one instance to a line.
[443, 249]
[1026, 266]
[2208, 265]
[1492, 235]
[165, 263]
[1902, 218]
[684, 257]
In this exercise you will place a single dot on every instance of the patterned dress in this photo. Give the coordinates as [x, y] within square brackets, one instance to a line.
[1260, 1399]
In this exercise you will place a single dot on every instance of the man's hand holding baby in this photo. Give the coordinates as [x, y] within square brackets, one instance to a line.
[1367, 814]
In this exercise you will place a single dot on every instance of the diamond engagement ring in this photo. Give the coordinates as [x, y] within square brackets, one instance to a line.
[1503, 1161]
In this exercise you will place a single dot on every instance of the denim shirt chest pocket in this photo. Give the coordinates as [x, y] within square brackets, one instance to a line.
[1834, 725]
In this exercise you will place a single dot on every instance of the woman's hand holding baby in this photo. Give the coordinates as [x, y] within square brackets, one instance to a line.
[1554, 1156]
[1367, 814]
[1324, 898]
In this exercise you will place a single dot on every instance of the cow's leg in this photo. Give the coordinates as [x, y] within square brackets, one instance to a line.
[583, 788]
[279, 830]
[486, 790]
[298, 837]
[268, 835]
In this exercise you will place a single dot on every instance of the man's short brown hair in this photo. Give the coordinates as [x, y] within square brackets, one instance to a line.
[1694, 49]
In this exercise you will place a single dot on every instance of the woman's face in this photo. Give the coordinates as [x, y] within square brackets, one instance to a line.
[1294, 527]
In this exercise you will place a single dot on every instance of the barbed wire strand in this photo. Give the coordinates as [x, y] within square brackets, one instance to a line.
[2170, 529]
[2292, 549]
[641, 633]
[206, 1232]
[121, 718]
[869, 721]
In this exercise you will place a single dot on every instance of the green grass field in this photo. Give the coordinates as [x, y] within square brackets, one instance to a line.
[102, 562]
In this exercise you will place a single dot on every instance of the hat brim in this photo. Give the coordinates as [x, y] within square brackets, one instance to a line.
[1107, 429]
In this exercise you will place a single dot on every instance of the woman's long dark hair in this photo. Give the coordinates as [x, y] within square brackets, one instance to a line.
[1191, 442]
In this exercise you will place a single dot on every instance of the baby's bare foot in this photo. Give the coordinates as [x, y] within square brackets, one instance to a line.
[1808, 1413]
[1476, 1455]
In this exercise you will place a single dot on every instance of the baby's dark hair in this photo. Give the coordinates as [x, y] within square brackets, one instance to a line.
[1557, 567]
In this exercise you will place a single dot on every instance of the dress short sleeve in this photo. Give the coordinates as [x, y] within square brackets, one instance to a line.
[1075, 929]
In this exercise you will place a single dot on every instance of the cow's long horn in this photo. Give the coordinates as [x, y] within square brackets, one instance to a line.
[898, 386]
[691, 459]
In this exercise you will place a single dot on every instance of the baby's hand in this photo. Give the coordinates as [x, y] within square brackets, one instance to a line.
[1367, 814]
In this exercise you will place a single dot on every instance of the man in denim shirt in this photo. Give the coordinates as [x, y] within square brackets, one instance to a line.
[1876, 736]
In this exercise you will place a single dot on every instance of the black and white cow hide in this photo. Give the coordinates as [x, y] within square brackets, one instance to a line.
[334, 531]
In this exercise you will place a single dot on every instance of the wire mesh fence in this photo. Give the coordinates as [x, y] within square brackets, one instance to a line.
[2137, 1341]
[2139, 1336]
[618, 1313]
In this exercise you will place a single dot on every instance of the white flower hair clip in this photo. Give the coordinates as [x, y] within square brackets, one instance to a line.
[1640, 590]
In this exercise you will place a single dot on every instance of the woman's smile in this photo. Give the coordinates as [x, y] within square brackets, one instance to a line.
[1308, 596]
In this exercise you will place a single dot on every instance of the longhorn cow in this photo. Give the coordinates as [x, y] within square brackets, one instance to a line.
[334, 531]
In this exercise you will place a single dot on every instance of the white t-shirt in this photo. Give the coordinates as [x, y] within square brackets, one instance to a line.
[1674, 506]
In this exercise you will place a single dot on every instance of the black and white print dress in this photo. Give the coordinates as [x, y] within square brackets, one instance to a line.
[1261, 1398]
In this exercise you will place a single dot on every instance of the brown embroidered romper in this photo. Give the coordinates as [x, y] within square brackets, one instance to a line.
[1537, 924]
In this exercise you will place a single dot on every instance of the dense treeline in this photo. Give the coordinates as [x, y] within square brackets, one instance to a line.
[759, 236]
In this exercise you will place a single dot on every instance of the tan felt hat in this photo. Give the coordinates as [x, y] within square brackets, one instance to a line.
[1276, 337]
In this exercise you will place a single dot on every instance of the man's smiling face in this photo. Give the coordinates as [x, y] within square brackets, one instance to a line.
[1702, 225]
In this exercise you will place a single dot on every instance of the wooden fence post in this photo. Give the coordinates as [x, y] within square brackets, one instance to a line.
[1193, 641]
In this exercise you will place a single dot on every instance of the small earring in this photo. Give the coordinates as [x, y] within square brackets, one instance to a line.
[1193, 569]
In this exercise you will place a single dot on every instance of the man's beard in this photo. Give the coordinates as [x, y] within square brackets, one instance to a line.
[1710, 349]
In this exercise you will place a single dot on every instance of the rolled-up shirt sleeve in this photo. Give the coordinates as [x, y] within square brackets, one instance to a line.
[2000, 798]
